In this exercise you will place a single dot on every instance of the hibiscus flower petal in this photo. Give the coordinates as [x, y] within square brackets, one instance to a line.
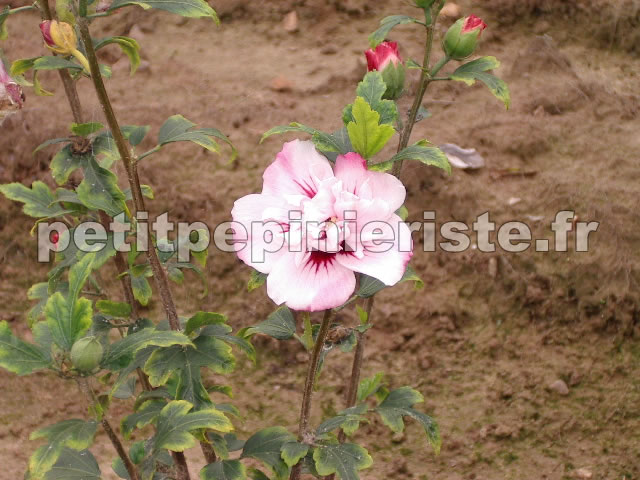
[259, 237]
[298, 170]
[317, 283]
[385, 261]
[352, 170]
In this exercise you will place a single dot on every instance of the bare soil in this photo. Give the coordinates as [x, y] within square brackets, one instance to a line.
[490, 332]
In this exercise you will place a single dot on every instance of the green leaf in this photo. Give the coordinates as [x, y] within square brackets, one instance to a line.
[53, 141]
[200, 319]
[69, 317]
[280, 325]
[75, 252]
[115, 309]
[343, 459]
[37, 87]
[307, 337]
[86, 129]
[17, 356]
[141, 289]
[223, 332]
[207, 351]
[65, 162]
[324, 142]
[427, 155]
[369, 286]
[367, 136]
[175, 423]
[224, 470]
[129, 47]
[477, 70]
[348, 419]
[74, 465]
[121, 352]
[185, 8]
[39, 292]
[47, 62]
[293, 452]
[372, 88]
[266, 446]
[143, 416]
[179, 129]
[99, 190]
[386, 25]
[39, 201]
[74, 434]
[4, 14]
[369, 386]
[256, 280]
[135, 134]
[398, 404]
[292, 127]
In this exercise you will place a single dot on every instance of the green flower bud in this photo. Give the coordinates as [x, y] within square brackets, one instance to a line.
[86, 354]
[385, 58]
[461, 39]
[393, 76]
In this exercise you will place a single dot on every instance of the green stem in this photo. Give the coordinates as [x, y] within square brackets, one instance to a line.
[150, 152]
[159, 274]
[438, 66]
[22, 9]
[356, 368]
[426, 77]
[86, 389]
[312, 372]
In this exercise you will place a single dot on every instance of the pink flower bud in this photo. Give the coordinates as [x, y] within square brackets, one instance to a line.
[473, 23]
[385, 53]
[45, 28]
[461, 39]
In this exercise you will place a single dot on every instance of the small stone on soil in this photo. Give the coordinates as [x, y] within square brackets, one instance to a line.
[281, 84]
[290, 22]
[559, 387]
[583, 473]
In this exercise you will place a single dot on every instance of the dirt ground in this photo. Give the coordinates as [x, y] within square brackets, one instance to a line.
[489, 333]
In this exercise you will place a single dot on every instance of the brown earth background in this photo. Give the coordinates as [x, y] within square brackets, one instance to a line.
[490, 332]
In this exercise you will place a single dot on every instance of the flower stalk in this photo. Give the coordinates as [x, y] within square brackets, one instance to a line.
[312, 372]
[426, 77]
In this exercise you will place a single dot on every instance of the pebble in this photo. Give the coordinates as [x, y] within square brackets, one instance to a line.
[559, 387]
[281, 84]
[583, 473]
[398, 437]
[451, 10]
[290, 22]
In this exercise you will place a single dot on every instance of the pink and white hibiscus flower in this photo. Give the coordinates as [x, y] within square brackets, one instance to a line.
[313, 227]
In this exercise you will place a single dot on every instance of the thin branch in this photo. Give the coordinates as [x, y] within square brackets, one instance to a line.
[307, 394]
[85, 388]
[159, 274]
[356, 367]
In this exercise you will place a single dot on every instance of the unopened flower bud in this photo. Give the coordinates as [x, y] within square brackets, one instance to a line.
[11, 96]
[386, 60]
[86, 354]
[60, 37]
[461, 39]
